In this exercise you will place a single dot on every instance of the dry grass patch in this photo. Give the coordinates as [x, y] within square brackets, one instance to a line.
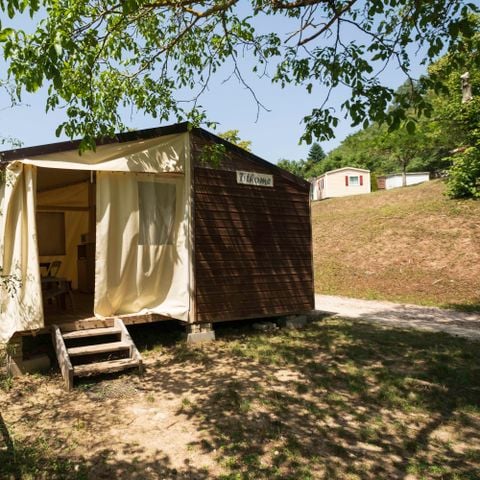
[411, 245]
[337, 400]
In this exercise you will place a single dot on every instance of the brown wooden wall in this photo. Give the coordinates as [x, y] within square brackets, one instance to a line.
[252, 245]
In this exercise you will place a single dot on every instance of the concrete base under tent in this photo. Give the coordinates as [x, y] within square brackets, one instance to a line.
[145, 229]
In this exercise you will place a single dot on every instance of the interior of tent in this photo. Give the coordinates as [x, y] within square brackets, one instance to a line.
[140, 222]
[65, 218]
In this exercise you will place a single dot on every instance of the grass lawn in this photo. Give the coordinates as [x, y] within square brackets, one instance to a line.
[409, 244]
[336, 400]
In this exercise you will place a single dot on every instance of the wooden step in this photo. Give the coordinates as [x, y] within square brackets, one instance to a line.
[124, 342]
[92, 332]
[104, 367]
[100, 348]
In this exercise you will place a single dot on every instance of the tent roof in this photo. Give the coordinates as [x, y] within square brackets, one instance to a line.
[20, 153]
[28, 152]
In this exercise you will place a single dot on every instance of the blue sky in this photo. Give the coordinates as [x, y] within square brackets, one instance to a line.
[274, 135]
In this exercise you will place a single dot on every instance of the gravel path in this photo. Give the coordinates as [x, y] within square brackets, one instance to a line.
[403, 315]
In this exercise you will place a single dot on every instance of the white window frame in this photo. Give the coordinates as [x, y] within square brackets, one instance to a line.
[357, 179]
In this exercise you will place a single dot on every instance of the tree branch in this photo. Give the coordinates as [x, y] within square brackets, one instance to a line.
[327, 26]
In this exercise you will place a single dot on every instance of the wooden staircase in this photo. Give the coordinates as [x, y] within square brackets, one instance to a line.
[83, 353]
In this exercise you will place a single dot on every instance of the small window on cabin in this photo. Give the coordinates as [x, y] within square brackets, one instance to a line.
[51, 233]
[157, 205]
[354, 181]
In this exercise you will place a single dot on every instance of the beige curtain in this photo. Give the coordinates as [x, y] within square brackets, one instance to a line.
[141, 255]
[20, 302]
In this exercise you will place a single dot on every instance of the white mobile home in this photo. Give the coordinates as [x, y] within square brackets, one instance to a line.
[395, 180]
[341, 182]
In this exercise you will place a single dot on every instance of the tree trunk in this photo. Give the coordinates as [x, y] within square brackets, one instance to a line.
[404, 174]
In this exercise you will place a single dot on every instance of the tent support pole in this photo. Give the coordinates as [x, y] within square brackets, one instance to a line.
[91, 208]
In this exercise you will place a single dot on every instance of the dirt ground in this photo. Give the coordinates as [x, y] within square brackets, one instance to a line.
[336, 400]
[123, 426]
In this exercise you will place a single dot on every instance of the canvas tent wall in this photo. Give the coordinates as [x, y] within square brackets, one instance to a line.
[140, 275]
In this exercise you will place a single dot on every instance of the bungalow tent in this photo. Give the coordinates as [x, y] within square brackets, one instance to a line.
[147, 228]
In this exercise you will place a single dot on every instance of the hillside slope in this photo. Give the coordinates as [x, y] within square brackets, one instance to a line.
[410, 244]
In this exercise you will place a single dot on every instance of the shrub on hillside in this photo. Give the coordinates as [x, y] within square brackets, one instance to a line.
[464, 174]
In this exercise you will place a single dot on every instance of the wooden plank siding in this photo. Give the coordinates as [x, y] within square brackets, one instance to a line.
[253, 250]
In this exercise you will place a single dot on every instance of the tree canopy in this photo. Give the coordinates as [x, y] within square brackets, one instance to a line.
[315, 154]
[233, 136]
[447, 141]
[97, 56]
[306, 168]
[297, 167]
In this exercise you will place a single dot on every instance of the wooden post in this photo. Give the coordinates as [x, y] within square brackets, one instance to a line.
[62, 356]
[92, 220]
[134, 354]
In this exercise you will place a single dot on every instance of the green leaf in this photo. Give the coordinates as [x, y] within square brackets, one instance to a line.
[411, 126]
[6, 33]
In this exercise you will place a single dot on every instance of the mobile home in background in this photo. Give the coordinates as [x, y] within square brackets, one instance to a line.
[395, 180]
[341, 182]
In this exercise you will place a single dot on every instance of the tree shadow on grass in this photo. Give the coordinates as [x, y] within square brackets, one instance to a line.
[335, 400]
[364, 401]
[35, 461]
[464, 307]
[47, 453]
[7, 454]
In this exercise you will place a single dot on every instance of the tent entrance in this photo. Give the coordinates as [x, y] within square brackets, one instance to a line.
[66, 230]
